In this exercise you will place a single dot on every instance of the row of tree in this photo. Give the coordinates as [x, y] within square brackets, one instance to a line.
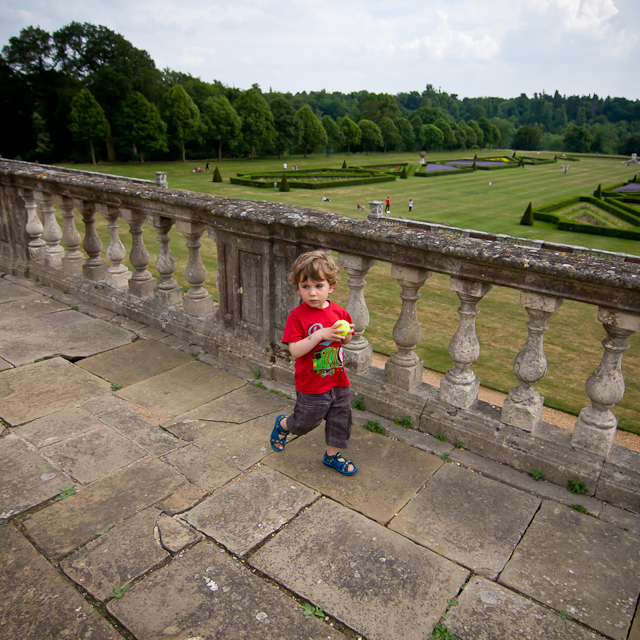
[91, 82]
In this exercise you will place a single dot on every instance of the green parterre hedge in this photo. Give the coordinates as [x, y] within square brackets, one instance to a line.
[314, 178]
[612, 212]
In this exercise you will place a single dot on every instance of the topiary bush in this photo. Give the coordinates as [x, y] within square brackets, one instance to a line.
[216, 175]
[527, 218]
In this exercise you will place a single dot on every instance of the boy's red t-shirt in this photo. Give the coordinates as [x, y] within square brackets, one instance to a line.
[322, 368]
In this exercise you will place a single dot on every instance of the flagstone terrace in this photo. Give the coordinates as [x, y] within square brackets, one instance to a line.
[257, 242]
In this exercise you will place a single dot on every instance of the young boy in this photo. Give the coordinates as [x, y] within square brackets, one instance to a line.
[322, 385]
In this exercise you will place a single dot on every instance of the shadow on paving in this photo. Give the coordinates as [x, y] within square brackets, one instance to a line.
[140, 498]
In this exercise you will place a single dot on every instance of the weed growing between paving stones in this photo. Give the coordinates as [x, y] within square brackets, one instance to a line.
[564, 615]
[65, 492]
[576, 486]
[440, 436]
[536, 474]
[311, 610]
[581, 509]
[441, 632]
[116, 387]
[375, 426]
[445, 457]
[118, 593]
[405, 422]
[457, 444]
[358, 403]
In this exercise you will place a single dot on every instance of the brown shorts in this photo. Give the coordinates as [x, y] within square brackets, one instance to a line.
[334, 406]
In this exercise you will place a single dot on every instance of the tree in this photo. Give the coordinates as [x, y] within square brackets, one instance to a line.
[350, 132]
[334, 135]
[371, 136]
[313, 134]
[256, 119]
[433, 137]
[449, 138]
[577, 139]
[527, 138]
[87, 120]
[418, 130]
[142, 126]
[374, 107]
[390, 134]
[221, 121]
[31, 52]
[287, 126]
[183, 116]
[477, 133]
[407, 136]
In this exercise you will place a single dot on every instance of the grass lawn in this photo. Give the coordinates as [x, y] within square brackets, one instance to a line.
[572, 343]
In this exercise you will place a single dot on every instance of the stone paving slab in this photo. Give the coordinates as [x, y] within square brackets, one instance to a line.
[145, 434]
[577, 564]
[201, 468]
[241, 405]
[61, 425]
[125, 552]
[10, 292]
[64, 526]
[389, 472]
[26, 478]
[191, 430]
[470, 519]
[134, 362]
[66, 333]
[241, 445]
[375, 581]
[4, 365]
[55, 383]
[36, 602]
[204, 593]
[94, 454]
[181, 389]
[488, 611]
[29, 308]
[245, 513]
[174, 535]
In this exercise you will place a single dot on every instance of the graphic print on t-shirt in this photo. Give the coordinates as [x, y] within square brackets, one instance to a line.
[328, 360]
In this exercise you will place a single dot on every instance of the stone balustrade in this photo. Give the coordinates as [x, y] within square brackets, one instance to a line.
[256, 242]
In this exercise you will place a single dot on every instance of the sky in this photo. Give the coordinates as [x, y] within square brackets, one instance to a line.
[471, 48]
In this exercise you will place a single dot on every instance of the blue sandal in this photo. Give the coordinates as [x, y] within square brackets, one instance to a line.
[276, 433]
[339, 463]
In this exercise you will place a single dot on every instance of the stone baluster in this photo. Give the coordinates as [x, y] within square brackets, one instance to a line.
[168, 290]
[141, 283]
[358, 353]
[404, 368]
[51, 234]
[375, 210]
[95, 267]
[522, 408]
[74, 259]
[460, 385]
[34, 228]
[196, 301]
[595, 428]
[117, 275]
[161, 179]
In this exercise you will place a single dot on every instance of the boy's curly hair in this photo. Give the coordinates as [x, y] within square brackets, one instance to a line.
[314, 265]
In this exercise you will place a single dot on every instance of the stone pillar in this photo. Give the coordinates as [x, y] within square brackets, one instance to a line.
[72, 262]
[117, 275]
[95, 267]
[197, 301]
[596, 426]
[523, 406]
[358, 353]
[51, 234]
[141, 283]
[460, 385]
[404, 368]
[161, 179]
[168, 290]
[34, 228]
[376, 209]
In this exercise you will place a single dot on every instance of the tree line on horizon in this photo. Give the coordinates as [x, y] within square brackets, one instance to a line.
[86, 92]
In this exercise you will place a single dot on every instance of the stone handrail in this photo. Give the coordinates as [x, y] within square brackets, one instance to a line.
[256, 244]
